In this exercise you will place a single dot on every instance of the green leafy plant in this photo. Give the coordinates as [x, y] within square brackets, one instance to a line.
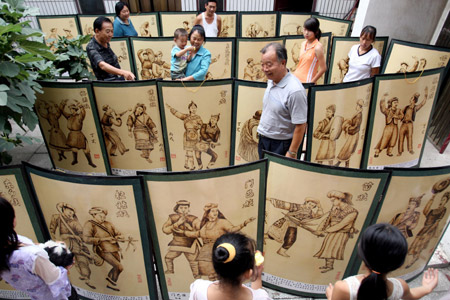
[24, 58]
[71, 57]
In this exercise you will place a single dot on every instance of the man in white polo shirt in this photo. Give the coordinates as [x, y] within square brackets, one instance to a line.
[211, 22]
[285, 108]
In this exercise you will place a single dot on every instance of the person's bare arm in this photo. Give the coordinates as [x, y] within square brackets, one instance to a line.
[321, 60]
[183, 52]
[198, 20]
[429, 282]
[299, 132]
[339, 291]
[115, 71]
[374, 71]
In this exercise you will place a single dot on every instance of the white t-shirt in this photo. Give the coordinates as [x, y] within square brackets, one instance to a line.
[211, 30]
[354, 284]
[199, 291]
[359, 66]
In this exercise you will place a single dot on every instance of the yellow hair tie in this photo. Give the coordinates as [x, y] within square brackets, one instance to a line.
[378, 273]
[231, 251]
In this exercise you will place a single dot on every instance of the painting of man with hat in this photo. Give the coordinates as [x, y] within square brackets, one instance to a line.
[390, 133]
[177, 224]
[284, 230]
[327, 147]
[70, 231]
[408, 220]
[337, 228]
[248, 143]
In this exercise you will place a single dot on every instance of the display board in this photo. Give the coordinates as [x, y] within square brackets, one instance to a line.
[70, 127]
[132, 129]
[416, 202]
[325, 209]
[338, 117]
[196, 118]
[222, 58]
[291, 23]
[170, 21]
[146, 24]
[103, 219]
[209, 208]
[405, 57]
[337, 27]
[56, 26]
[86, 22]
[338, 66]
[248, 58]
[400, 114]
[258, 24]
[229, 24]
[152, 57]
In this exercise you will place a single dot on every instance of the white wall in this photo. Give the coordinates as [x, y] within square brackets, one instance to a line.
[408, 20]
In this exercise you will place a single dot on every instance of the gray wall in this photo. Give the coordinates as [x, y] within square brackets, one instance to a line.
[408, 20]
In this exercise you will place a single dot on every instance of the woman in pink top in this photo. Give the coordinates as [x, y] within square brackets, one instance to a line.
[311, 63]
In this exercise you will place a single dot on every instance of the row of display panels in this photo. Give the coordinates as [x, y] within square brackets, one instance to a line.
[124, 127]
[307, 219]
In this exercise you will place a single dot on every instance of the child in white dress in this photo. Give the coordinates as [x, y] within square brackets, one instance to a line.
[234, 262]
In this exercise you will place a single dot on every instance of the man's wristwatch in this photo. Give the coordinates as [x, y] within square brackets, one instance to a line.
[293, 153]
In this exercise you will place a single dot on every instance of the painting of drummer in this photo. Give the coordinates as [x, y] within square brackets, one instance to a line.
[328, 132]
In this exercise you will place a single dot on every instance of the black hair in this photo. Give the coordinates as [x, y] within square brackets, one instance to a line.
[370, 31]
[280, 50]
[98, 23]
[207, 1]
[200, 30]
[312, 24]
[8, 237]
[383, 249]
[120, 6]
[244, 260]
[59, 255]
[180, 32]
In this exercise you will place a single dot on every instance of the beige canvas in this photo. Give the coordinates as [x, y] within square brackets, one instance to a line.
[132, 129]
[198, 124]
[145, 25]
[249, 56]
[170, 22]
[249, 110]
[405, 58]
[291, 24]
[114, 208]
[152, 58]
[56, 27]
[222, 59]
[339, 69]
[293, 47]
[418, 206]
[213, 208]
[228, 25]
[87, 24]
[258, 25]
[300, 205]
[67, 123]
[335, 27]
[397, 141]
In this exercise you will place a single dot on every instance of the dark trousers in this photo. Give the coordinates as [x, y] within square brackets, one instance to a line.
[271, 145]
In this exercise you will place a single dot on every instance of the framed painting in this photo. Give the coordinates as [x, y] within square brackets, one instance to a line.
[417, 203]
[222, 58]
[131, 129]
[258, 24]
[170, 21]
[338, 66]
[229, 24]
[146, 24]
[213, 202]
[400, 114]
[196, 123]
[338, 118]
[14, 188]
[103, 220]
[405, 57]
[291, 23]
[152, 57]
[86, 22]
[305, 199]
[248, 58]
[337, 27]
[247, 110]
[56, 26]
[70, 127]
[293, 46]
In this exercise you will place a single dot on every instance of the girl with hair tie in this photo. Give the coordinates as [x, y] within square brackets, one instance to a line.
[383, 249]
[235, 261]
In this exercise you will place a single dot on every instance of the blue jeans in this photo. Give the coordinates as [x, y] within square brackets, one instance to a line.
[271, 145]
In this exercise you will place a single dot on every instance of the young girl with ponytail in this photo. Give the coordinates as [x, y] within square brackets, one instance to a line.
[383, 249]
[235, 261]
